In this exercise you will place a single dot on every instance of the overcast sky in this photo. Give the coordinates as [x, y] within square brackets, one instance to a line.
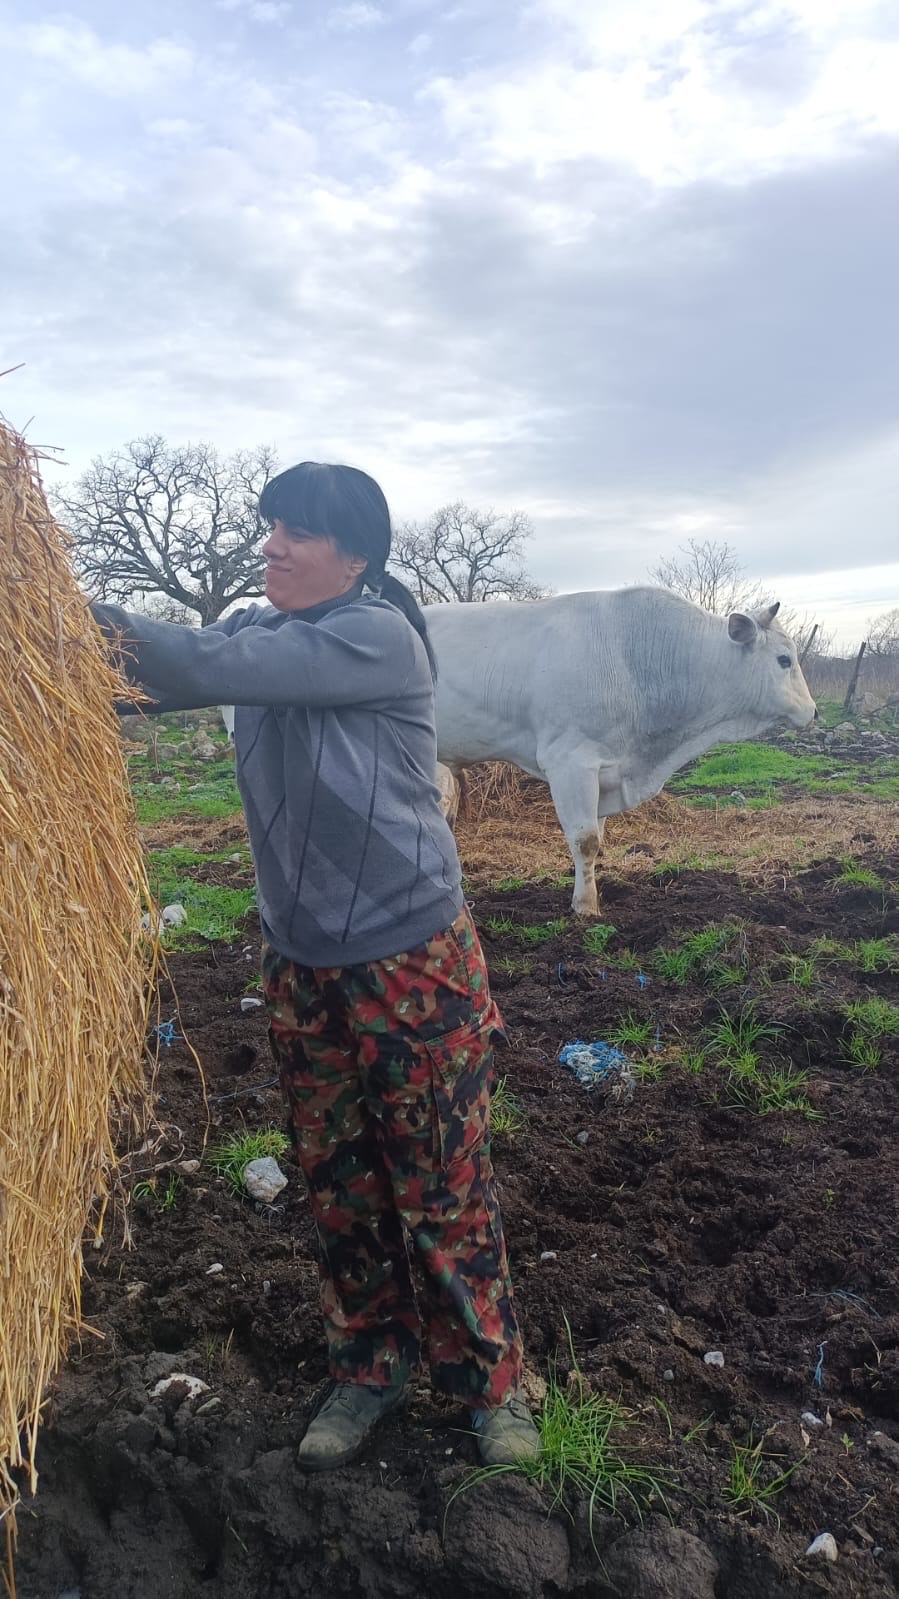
[630, 265]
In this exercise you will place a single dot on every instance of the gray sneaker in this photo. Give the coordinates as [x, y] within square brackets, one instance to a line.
[342, 1423]
[507, 1435]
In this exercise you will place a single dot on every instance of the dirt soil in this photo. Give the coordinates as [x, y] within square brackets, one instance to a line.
[663, 1226]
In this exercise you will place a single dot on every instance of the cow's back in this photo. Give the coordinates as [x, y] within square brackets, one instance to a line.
[505, 669]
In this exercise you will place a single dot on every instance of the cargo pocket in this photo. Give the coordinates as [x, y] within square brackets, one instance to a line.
[461, 1064]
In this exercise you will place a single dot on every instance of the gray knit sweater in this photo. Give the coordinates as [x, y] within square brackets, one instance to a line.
[336, 765]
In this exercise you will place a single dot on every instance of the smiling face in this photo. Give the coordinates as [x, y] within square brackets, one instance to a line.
[304, 569]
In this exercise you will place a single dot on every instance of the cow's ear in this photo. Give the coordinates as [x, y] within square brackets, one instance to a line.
[766, 617]
[741, 628]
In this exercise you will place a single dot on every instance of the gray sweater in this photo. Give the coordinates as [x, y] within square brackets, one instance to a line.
[336, 765]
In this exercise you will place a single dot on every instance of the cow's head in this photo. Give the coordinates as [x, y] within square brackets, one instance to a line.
[778, 689]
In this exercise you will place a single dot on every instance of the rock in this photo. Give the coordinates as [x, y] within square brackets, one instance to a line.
[136, 728]
[167, 752]
[549, 1254]
[263, 1180]
[660, 1562]
[844, 730]
[582, 1138]
[193, 1386]
[500, 1539]
[810, 1419]
[886, 1447]
[214, 1269]
[204, 749]
[824, 1547]
[738, 798]
[187, 1167]
[235, 858]
[174, 915]
[248, 1003]
[713, 1357]
[667, 1375]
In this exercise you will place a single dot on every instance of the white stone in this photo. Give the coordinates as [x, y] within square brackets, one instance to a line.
[188, 1167]
[810, 1419]
[174, 915]
[195, 1385]
[824, 1546]
[713, 1357]
[549, 1254]
[214, 1269]
[247, 1003]
[263, 1180]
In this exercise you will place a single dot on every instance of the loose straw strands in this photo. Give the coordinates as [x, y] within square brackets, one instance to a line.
[74, 965]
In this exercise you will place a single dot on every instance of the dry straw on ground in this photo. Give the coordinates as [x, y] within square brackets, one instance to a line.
[73, 962]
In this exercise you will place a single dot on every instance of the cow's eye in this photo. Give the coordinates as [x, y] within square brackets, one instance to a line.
[784, 660]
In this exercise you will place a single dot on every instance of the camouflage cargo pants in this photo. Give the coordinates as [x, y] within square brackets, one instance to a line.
[386, 1068]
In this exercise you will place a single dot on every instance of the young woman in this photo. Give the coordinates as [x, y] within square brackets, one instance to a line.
[381, 1017]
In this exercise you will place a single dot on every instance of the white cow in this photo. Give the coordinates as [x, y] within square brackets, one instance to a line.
[605, 695]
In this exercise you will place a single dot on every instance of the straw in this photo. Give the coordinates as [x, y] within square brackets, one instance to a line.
[75, 969]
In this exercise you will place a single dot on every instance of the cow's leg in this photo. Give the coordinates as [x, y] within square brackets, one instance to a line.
[575, 792]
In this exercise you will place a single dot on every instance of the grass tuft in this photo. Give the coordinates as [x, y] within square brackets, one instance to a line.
[584, 1455]
[750, 1484]
[232, 1156]
[507, 1119]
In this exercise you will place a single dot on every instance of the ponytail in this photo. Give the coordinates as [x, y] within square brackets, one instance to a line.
[396, 593]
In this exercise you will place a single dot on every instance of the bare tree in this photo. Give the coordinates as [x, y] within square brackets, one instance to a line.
[711, 575]
[177, 522]
[465, 554]
[883, 634]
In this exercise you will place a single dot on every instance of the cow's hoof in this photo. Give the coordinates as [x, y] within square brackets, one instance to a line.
[585, 908]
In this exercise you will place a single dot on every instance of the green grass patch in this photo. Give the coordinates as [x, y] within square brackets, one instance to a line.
[215, 799]
[853, 875]
[758, 771]
[232, 1156]
[637, 1031]
[508, 885]
[598, 937]
[869, 1021]
[526, 932]
[716, 954]
[507, 1119]
[213, 913]
[585, 1454]
[754, 1481]
[163, 1196]
[872, 955]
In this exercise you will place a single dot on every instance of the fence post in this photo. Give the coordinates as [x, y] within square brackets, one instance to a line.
[853, 681]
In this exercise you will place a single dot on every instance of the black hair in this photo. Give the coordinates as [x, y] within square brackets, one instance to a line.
[348, 506]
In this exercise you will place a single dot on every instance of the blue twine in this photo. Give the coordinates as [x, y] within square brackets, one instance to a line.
[642, 979]
[592, 1063]
[166, 1033]
[560, 973]
[818, 1378]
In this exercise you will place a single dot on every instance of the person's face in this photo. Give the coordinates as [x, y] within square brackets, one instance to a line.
[304, 569]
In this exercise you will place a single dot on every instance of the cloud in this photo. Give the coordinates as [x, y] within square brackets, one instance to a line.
[356, 17]
[631, 268]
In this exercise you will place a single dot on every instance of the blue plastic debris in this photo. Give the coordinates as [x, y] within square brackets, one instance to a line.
[592, 1063]
[642, 979]
[166, 1033]
[560, 973]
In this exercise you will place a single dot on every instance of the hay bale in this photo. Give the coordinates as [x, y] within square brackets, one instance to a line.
[73, 962]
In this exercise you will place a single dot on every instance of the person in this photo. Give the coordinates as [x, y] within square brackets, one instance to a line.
[381, 1017]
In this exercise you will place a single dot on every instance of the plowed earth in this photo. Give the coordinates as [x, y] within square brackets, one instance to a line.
[681, 1224]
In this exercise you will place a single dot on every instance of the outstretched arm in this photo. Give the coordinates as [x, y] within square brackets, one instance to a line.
[358, 655]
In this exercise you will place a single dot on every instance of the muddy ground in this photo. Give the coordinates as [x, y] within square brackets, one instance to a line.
[680, 1225]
